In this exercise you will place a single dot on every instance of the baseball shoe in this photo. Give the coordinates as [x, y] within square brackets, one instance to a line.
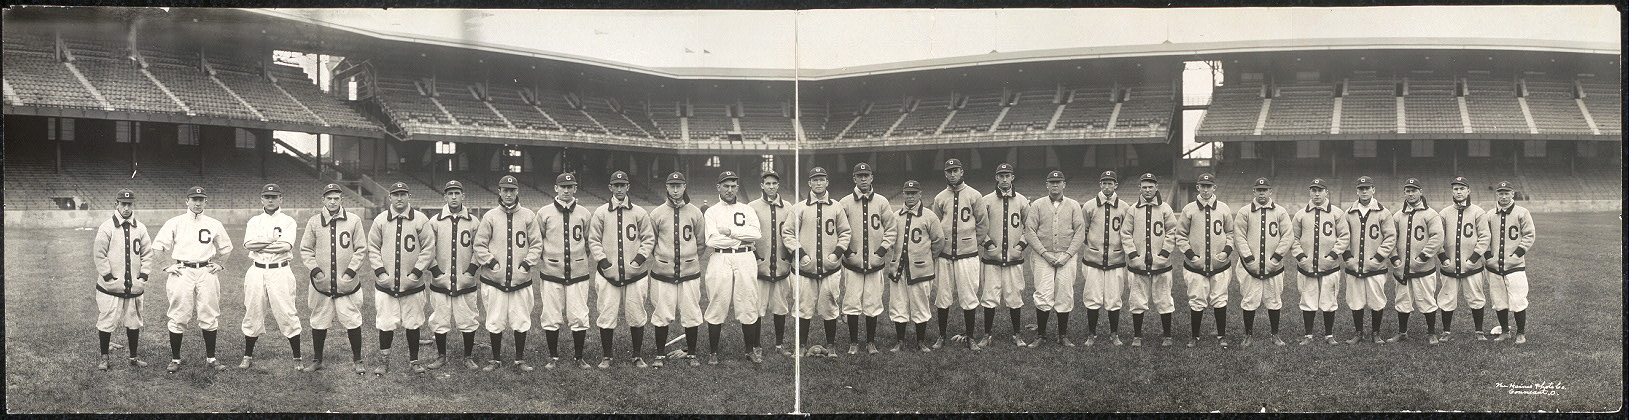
[974, 345]
[984, 342]
[830, 351]
[1355, 339]
[1019, 341]
[938, 342]
[134, 362]
[1136, 341]
[1432, 339]
[1116, 340]
[553, 361]
[871, 348]
[583, 364]
[853, 349]
[1377, 339]
[417, 367]
[1193, 342]
[1035, 343]
[216, 364]
[524, 366]
[1091, 340]
[691, 359]
[384, 364]
[491, 365]
[470, 364]
[895, 348]
[247, 362]
[1244, 342]
[1400, 337]
[784, 350]
[604, 363]
[1330, 340]
[1165, 342]
[360, 368]
[1480, 336]
[757, 355]
[1278, 341]
[174, 365]
[924, 348]
[639, 362]
[657, 361]
[299, 365]
[1221, 341]
[712, 359]
[1305, 340]
[1447, 336]
[103, 364]
[1521, 338]
[436, 364]
[1064, 340]
[1501, 337]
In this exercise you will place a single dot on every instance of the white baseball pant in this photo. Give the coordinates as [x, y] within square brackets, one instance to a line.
[1002, 285]
[1055, 286]
[113, 311]
[1318, 293]
[628, 300]
[1253, 292]
[1366, 292]
[507, 310]
[398, 312]
[1508, 292]
[194, 291]
[448, 312]
[818, 297]
[1105, 289]
[1420, 293]
[731, 280]
[957, 283]
[563, 305]
[275, 285]
[909, 302]
[1447, 293]
[862, 293]
[1207, 291]
[774, 297]
[668, 299]
[1155, 288]
[1473, 288]
[324, 310]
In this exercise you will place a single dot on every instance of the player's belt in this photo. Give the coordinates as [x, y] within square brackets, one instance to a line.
[195, 264]
[272, 265]
[733, 250]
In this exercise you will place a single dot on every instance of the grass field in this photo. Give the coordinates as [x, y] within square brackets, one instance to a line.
[1574, 331]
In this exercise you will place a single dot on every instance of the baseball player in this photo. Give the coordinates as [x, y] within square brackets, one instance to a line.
[1372, 243]
[1104, 257]
[452, 276]
[123, 256]
[1204, 234]
[620, 241]
[399, 267]
[565, 269]
[1147, 238]
[1057, 227]
[1461, 258]
[873, 220]
[731, 279]
[911, 268]
[507, 249]
[958, 279]
[774, 262]
[1321, 236]
[676, 227]
[821, 235]
[1263, 241]
[1419, 230]
[334, 247]
[270, 239]
[194, 240]
[999, 221]
[1512, 230]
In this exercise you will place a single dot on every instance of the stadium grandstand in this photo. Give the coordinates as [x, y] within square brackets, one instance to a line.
[160, 99]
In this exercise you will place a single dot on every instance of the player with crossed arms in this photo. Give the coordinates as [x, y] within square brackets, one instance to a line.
[270, 239]
[732, 268]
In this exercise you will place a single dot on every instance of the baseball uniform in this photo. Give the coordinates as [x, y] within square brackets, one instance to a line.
[957, 282]
[1147, 238]
[269, 281]
[507, 250]
[565, 271]
[1461, 261]
[731, 280]
[122, 255]
[1419, 230]
[999, 220]
[820, 234]
[1263, 240]
[872, 219]
[1321, 236]
[400, 248]
[1512, 236]
[1204, 236]
[675, 295]
[334, 246]
[620, 242]
[774, 261]
[453, 285]
[1055, 227]
[1373, 239]
[911, 268]
[1104, 258]
[194, 240]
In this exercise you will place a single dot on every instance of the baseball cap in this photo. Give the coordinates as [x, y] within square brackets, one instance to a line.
[1054, 176]
[196, 191]
[332, 188]
[398, 187]
[817, 172]
[451, 185]
[1004, 168]
[677, 178]
[913, 186]
[1317, 183]
[1365, 181]
[726, 176]
[126, 196]
[862, 169]
[1108, 176]
[620, 177]
[1148, 176]
[1505, 186]
[1412, 182]
[953, 163]
[508, 181]
[1207, 179]
[1262, 184]
[770, 173]
[272, 190]
[1459, 180]
[565, 180]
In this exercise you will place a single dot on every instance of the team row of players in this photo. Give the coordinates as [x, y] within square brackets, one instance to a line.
[842, 252]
